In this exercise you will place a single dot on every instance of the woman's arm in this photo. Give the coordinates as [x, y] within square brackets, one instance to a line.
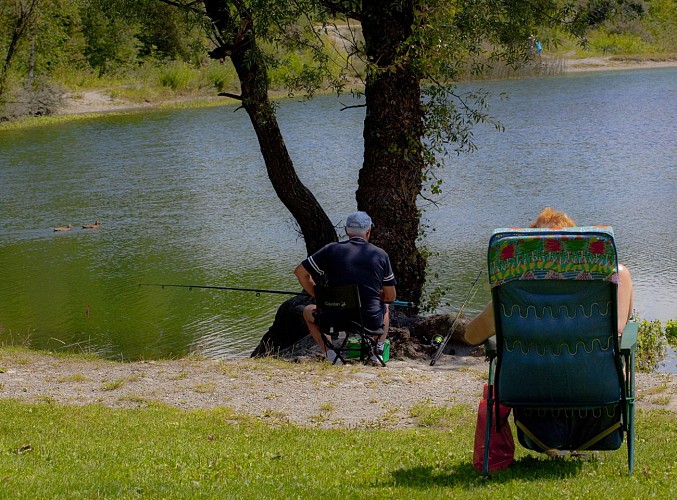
[481, 327]
[624, 297]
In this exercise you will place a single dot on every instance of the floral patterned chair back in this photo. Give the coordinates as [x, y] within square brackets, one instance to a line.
[557, 359]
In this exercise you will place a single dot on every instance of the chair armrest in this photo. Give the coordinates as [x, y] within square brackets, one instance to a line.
[629, 338]
[490, 347]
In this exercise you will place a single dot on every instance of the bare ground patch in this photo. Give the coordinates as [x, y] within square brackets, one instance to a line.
[309, 393]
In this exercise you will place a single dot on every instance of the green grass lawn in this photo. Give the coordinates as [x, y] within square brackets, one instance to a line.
[56, 451]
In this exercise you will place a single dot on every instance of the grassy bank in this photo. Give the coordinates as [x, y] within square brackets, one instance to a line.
[52, 451]
[124, 108]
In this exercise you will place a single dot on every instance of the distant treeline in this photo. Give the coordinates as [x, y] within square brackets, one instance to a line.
[50, 46]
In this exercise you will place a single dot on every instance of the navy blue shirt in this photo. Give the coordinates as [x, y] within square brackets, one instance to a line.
[355, 261]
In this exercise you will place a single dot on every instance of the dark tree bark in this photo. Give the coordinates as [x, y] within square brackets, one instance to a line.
[288, 328]
[238, 41]
[390, 179]
[22, 24]
[391, 176]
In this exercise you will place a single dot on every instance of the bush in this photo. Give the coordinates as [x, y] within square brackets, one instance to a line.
[650, 345]
[610, 44]
[43, 98]
[176, 76]
[222, 76]
[671, 332]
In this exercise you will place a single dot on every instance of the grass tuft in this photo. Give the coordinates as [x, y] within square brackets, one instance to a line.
[205, 388]
[111, 385]
[76, 377]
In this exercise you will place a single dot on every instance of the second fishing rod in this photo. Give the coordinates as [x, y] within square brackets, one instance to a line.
[443, 343]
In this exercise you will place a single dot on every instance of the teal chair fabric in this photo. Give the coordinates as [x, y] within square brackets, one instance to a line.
[557, 359]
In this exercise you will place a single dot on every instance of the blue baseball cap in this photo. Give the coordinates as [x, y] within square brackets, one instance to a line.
[358, 220]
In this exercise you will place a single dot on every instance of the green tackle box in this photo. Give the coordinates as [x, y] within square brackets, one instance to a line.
[353, 345]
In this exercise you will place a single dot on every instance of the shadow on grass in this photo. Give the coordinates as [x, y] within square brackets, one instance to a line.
[465, 476]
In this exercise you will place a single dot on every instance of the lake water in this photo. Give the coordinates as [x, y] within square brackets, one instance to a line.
[183, 197]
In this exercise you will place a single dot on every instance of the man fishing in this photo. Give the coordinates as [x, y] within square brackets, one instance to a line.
[355, 261]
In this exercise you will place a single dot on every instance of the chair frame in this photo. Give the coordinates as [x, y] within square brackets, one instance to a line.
[345, 300]
[623, 353]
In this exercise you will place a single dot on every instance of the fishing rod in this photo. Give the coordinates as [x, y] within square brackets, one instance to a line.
[469, 296]
[257, 291]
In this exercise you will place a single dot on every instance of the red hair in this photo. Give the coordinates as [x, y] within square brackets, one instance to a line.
[552, 219]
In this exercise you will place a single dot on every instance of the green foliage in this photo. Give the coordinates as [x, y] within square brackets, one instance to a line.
[650, 344]
[295, 70]
[652, 340]
[630, 29]
[433, 299]
[177, 76]
[221, 75]
[168, 34]
[598, 12]
[662, 24]
[613, 44]
[112, 43]
[55, 451]
[85, 43]
[671, 332]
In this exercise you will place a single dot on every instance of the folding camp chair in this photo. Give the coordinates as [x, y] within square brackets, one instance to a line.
[557, 359]
[339, 310]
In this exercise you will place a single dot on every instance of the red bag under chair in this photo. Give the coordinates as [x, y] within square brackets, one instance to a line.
[501, 444]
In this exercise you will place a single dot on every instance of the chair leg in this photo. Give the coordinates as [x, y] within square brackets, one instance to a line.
[631, 438]
[487, 432]
[330, 345]
[490, 412]
[630, 368]
[368, 349]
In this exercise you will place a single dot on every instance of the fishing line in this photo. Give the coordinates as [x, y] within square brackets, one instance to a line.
[257, 291]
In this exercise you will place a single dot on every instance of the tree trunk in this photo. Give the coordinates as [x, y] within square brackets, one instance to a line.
[390, 179]
[23, 20]
[31, 66]
[248, 61]
[288, 327]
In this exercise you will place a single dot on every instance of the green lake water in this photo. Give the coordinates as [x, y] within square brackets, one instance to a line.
[183, 197]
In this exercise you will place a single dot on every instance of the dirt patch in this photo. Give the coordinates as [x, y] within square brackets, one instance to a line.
[307, 393]
[608, 63]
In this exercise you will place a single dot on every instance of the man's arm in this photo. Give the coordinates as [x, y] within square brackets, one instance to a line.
[306, 280]
[388, 294]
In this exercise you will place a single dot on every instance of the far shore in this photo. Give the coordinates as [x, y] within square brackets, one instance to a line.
[611, 64]
[100, 101]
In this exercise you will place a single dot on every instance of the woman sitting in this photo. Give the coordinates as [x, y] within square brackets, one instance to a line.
[482, 326]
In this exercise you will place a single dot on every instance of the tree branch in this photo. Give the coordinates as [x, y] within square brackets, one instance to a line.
[348, 8]
[186, 6]
[353, 107]
[232, 96]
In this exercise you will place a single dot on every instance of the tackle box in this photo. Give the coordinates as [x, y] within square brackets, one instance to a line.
[353, 346]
